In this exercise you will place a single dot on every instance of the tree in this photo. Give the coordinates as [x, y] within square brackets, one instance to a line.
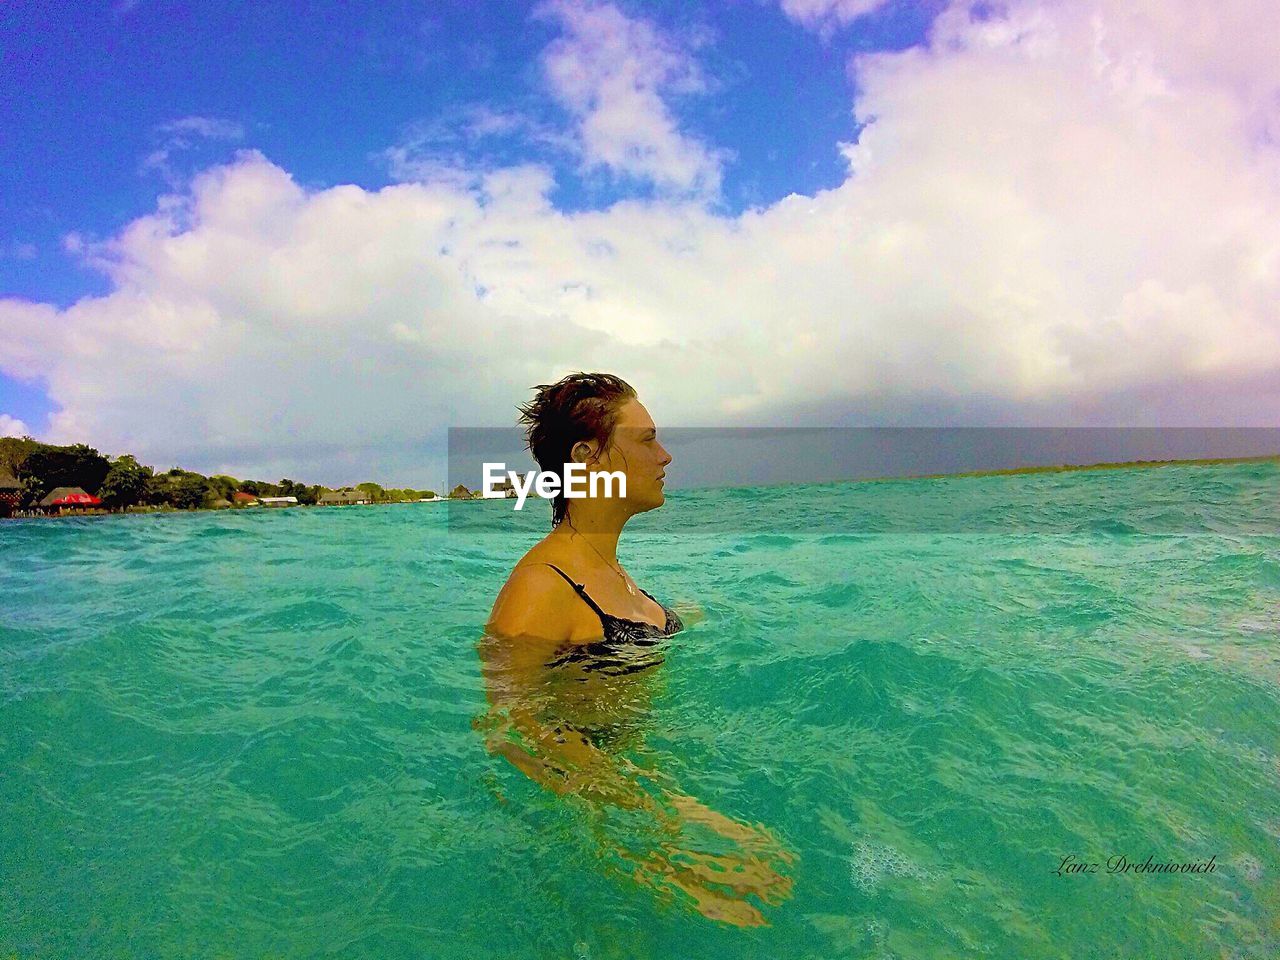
[188, 491]
[178, 488]
[78, 465]
[33, 491]
[156, 490]
[223, 487]
[125, 483]
[14, 450]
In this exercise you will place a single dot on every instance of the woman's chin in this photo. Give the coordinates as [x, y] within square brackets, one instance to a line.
[653, 502]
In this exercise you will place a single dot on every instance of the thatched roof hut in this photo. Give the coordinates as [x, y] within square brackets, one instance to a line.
[64, 493]
[8, 481]
[337, 498]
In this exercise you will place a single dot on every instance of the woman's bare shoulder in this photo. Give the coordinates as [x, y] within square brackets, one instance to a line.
[536, 602]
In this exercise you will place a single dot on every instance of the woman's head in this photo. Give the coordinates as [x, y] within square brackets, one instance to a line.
[595, 419]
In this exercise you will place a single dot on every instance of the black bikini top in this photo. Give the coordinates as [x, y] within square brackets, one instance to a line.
[619, 632]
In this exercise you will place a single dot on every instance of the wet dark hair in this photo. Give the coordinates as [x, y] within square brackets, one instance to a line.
[581, 406]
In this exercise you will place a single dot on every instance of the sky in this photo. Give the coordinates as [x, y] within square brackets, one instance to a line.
[307, 239]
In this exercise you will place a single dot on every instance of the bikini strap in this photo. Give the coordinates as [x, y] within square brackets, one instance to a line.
[582, 591]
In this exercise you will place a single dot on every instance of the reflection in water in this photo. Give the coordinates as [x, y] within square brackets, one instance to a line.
[568, 721]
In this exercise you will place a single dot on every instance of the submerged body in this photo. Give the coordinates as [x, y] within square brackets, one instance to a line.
[570, 686]
[571, 657]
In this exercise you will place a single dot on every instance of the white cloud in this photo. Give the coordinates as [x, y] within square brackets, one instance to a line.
[1058, 215]
[211, 128]
[615, 75]
[182, 134]
[1104, 217]
[826, 15]
[450, 146]
[12, 427]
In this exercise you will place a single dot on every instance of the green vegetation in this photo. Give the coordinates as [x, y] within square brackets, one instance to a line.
[125, 484]
[1118, 465]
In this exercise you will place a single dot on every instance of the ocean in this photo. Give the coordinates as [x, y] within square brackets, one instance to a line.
[964, 710]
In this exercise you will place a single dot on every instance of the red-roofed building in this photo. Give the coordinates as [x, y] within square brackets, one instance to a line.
[69, 498]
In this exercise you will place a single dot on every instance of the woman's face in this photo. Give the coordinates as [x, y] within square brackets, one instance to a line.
[636, 452]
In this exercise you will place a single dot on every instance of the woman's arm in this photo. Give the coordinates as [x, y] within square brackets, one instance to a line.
[560, 758]
[690, 612]
[563, 760]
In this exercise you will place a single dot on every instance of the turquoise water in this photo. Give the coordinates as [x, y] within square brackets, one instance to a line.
[253, 734]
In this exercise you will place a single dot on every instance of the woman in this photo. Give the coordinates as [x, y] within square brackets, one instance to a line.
[571, 653]
[559, 592]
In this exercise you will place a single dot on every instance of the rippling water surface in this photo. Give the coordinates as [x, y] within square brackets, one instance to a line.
[255, 734]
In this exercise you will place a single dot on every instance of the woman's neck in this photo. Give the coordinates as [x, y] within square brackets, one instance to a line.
[599, 535]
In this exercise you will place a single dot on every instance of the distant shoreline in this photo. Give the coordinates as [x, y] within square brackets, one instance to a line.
[1009, 471]
[1111, 465]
